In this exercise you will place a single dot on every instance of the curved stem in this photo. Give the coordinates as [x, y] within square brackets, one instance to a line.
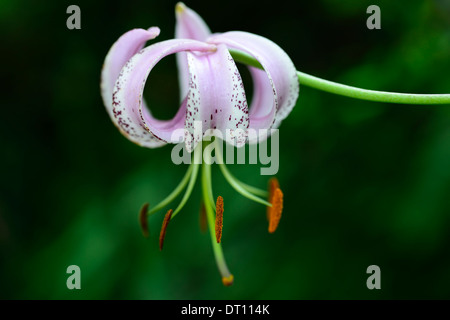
[190, 187]
[241, 189]
[244, 189]
[247, 187]
[256, 191]
[349, 91]
[174, 193]
[371, 95]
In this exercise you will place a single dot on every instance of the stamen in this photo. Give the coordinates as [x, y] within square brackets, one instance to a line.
[197, 159]
[219, 218]
[244, 189]
[162, 235]
[228, 281]
[143, 220]
[175, 192]
[275, 212]
[203, 222]
[273, 184]
[239, 188]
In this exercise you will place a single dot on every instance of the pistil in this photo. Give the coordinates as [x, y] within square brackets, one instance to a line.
[227, 277]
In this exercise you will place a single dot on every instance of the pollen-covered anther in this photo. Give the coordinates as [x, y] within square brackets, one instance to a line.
[273, 185]
[143, 220]
[162, 235]
[219, 218]
[228, 281]
[275, 210]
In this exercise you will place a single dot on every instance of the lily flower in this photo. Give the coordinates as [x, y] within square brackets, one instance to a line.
[211, 93]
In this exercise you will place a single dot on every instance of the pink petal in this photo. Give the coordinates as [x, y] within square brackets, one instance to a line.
[121, 51]
[262, 112]
[216, 97]
[277, 94]
[189, 26]
[129, 113]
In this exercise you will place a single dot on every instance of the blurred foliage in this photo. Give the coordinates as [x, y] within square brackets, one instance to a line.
[365, 183]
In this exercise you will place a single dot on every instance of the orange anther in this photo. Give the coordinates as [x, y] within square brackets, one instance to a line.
[162, 235]
[219, 218]
[276, 209]
[273, 185]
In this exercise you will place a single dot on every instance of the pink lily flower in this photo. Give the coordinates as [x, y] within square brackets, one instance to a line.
[212, 94]
[211, 88]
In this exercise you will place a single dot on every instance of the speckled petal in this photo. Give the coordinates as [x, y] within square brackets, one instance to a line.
[281, 81]
[122, 51]
[216, 97]
[128, 110]
[189, 25]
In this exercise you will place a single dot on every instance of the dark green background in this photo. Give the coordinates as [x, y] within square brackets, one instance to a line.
[365, 183]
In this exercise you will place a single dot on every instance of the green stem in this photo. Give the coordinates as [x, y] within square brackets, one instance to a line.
[217, 248]
[232, 179]
[187, 194]
[349, 91]
[241, 189]
[175, 192]
[249, 188]
[207, 175]
[239, 186]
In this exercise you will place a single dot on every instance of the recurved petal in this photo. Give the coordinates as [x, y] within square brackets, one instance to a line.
[121, 51]
[281, 77]
[216, 98]
[189, 25]
[129, 112]
[263, 106]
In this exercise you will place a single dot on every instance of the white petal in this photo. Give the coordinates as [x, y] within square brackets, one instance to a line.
[281, 77]
[189, 25]
[129, 112]
[216, 98]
